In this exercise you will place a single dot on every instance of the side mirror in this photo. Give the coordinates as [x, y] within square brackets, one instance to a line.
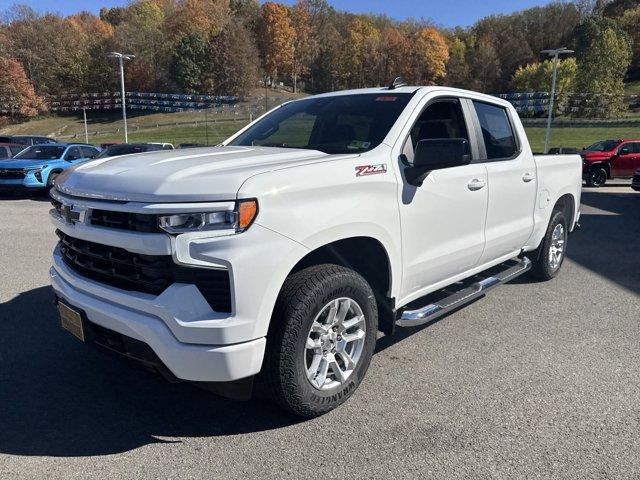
[436, 154]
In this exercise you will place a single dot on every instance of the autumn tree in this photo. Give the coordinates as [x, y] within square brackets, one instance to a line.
[457, 66]
[429, 55]
[234, 61]
[603, 54]
[303, 42]
[395, 53]
[276, 39]
[362, 45]
[202, 17]
[16, 91]
[142, 33]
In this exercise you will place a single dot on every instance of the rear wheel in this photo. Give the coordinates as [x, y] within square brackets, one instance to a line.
[596, 177]
[548, 258]
[321, 341]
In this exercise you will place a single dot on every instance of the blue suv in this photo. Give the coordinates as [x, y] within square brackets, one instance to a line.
[37, 166]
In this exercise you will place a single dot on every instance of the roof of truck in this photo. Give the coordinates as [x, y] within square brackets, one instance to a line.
[413, 89]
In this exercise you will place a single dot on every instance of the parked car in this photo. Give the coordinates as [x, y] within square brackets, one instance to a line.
[37, 167]
[635, 183]
[285, 250]
[563, 151]
[8, 150]
[26, 140]
[610, 159]
[129, 148]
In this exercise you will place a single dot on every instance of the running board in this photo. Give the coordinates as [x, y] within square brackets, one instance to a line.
[414, 318]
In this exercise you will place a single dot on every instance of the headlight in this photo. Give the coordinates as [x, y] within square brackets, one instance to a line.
[33, 169]
[238, 219]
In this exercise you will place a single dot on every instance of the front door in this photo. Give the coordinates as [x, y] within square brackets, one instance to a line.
[627, 160]
[442, 220]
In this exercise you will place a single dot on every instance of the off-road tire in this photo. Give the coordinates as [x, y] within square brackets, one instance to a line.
[541, 268]
[302, 297]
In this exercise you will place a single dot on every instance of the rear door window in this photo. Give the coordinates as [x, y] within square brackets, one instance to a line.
[497, 132]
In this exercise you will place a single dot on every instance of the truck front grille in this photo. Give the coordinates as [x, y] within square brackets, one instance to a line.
[142, 273]
[135, 222]
[8, 174]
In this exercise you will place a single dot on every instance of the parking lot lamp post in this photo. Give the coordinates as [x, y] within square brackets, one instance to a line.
[554, 54]
[121, 57]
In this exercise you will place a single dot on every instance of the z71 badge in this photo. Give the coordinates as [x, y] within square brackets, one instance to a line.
[362, 170]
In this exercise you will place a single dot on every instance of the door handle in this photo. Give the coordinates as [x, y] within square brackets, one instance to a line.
[527, 177]
[476, 184]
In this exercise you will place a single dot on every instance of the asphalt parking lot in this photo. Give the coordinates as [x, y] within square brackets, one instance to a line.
[535, 380]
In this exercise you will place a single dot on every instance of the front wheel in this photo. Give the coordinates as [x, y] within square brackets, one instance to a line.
[548, 258]
[51, 180]
[321, 341]
[596, 177]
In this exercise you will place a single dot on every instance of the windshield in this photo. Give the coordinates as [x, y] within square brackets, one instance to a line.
[603, 146]
[336, 124]
[114, 150]
[41, 153]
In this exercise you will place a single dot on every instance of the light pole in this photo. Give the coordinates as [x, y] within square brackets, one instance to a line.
[554, 54]
[121, 57]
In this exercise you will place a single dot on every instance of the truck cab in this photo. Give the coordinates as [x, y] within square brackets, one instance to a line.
[608, 159]
[279, 255]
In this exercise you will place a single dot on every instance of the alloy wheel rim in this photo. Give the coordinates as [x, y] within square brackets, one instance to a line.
[335, 343]
[556, 249]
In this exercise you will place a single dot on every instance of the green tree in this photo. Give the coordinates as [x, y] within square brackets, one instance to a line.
[189, 64]
[536, 77]
[603, 54]
[630, 21]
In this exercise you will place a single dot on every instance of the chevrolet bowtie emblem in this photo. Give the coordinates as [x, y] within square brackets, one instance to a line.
[72, 214]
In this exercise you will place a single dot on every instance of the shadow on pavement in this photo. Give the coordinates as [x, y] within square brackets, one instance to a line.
[608, 242]
[59, 397]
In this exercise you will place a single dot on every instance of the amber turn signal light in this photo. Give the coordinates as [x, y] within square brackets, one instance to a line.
[247, 211]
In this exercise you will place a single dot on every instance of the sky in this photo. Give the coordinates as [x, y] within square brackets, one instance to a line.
[449, 13]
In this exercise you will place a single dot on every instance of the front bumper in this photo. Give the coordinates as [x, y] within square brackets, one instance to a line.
[186, 361]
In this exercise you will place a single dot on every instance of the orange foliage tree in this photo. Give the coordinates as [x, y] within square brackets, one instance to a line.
[16, 91]
[276, 38]
[429, 56]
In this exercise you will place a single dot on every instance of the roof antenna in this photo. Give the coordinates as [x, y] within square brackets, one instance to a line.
[397, 82]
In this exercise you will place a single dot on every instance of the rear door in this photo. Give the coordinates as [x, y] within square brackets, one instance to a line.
[512, 183]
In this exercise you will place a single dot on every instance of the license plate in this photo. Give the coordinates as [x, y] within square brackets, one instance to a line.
[71, 320]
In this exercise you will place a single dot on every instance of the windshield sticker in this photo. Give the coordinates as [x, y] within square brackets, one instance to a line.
[358, 145]
[363, 170]
[386, 98]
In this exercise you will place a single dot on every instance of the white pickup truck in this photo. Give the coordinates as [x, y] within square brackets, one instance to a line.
[280, 254]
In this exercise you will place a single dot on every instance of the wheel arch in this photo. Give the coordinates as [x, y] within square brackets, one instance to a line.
[567, 205]
[367, 256]
[602, 164]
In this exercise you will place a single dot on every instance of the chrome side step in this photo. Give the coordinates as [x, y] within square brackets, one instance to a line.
[420, 316]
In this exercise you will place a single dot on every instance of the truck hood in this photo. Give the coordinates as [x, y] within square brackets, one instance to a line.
[193, 175]
[17, 163]
[595, 156]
